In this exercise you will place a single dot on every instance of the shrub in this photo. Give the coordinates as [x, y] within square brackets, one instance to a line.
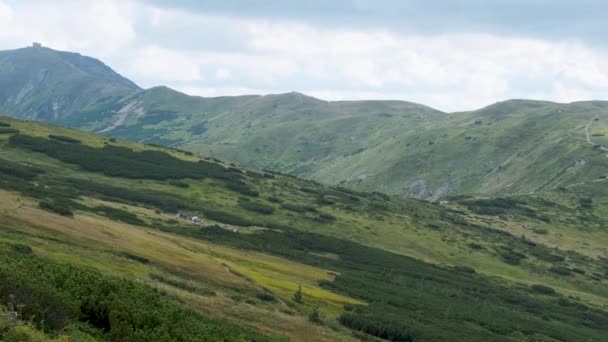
[325, 218]
[58, 208]
[315, 317]
[119, 215]
[64, 139]
[543, 289]
[464, 269]
[8, 130]
[275, 199]
[242, 188]
[297, 296]
[139, 259]
[512, 257]
[265, 296]
[4, 124]
[21, 248]
[561, 270]
[293, 207]
[257, 207]
[116, 161]
[179, 184]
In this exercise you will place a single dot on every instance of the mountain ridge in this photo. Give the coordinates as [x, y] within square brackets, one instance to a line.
[396, 147]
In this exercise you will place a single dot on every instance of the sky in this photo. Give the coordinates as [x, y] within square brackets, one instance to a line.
[452, 55]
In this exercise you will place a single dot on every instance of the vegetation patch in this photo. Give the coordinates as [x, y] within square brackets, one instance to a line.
[65, 139]
[118, 161]
[57, 295]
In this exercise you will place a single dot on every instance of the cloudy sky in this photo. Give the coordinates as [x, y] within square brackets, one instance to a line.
[452, 55]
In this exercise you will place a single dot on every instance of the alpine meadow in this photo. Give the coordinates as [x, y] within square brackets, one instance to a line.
[132, 213]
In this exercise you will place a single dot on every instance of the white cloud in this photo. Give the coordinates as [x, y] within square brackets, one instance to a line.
[216, 55]
[164, 65]
[95, 27]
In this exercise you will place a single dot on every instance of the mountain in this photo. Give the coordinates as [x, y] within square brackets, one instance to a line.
[44, 84]
[394, 147]
[99, 241]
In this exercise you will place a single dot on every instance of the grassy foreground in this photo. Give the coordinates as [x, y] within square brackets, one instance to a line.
[86, 221]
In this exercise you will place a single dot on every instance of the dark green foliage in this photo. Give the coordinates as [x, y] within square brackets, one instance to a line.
[315, 316]
[8, 167]
[138, 258]
[57, 207]
[465, 269]
[265, 296]
[56, 295]
[275, 199]
[545, 254]
[64, 139]
[21, 248]
[242, 188]
[119, 215]
[500, 206]
[512, 257]
[8, 130]
[586, 203]
[179, 184]
[326, 218]
[540, 231]
[561, 270]
[199, 128]
[4, 124]
[228, 218]
[475, 246]
[257, 207]
[543, 289]
[268, 175]
[294, 207]
[297, 297]
[157, 199]
[120, 161]
[578, 270]
[411, 300]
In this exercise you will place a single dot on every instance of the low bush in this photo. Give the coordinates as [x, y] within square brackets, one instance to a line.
[64, 139]
[56, 207]
[561, 270]
[257, 207]
[543, 289]
[8, 130]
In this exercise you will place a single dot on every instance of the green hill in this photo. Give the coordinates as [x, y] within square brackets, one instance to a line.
[395, 147]
[92, 249]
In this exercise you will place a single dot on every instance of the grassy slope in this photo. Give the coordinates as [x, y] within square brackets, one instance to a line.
[177, 251]
[393, 147]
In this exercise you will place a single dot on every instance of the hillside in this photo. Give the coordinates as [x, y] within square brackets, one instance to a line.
[394, 147]
[92, 249]
[44, 84]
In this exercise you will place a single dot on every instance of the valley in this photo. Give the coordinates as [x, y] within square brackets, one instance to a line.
[86, 206]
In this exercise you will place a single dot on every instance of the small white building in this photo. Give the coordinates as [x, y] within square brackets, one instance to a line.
[196, 219]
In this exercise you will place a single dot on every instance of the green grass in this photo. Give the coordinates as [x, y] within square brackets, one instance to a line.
[343, 247]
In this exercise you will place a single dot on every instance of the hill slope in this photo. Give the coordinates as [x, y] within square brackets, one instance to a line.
[44, 84]
[395, 147]
[77, 207]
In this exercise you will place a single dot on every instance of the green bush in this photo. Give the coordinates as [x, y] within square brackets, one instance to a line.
[543, 289]
[57, 295]
[257, 207]
[8, 130]
[116, 161]
[64, 139]
[56, 207]
[4, 124]
[293, 207]
[561, 270]
[119, 215]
